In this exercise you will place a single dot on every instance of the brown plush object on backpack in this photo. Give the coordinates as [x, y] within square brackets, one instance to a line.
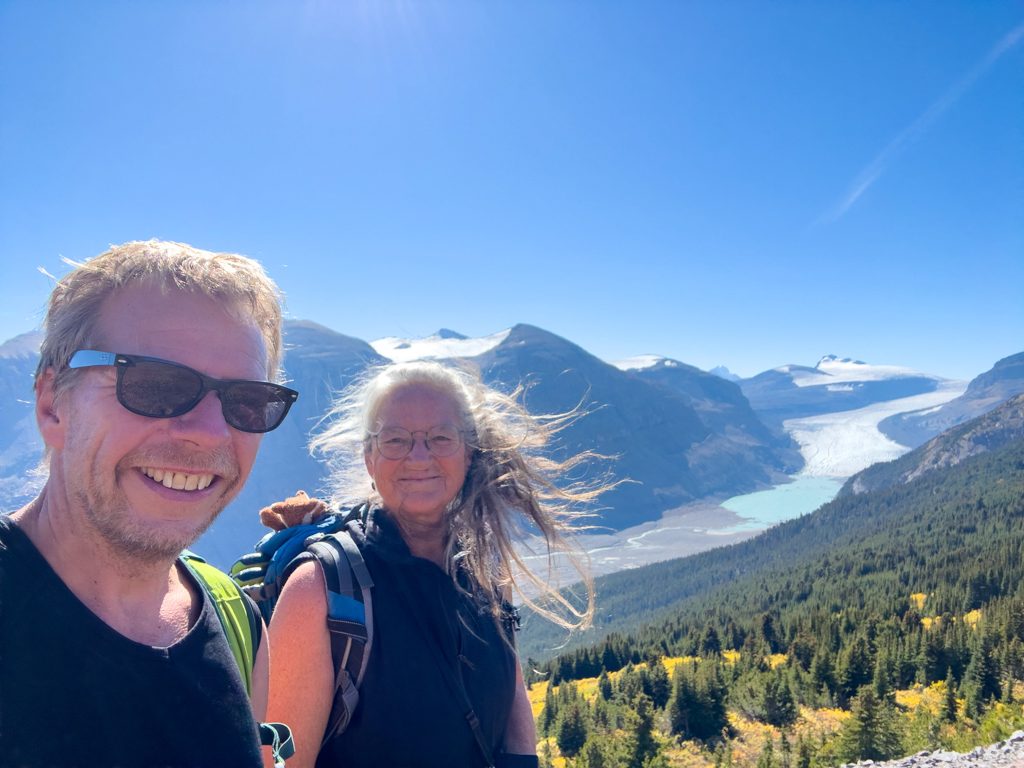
[297, 510]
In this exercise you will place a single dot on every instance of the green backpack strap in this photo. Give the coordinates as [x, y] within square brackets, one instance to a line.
[242, 626]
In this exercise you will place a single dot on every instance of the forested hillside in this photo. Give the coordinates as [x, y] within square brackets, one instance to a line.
[904, 588]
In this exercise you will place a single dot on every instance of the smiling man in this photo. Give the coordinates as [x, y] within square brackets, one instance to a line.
[154, 388]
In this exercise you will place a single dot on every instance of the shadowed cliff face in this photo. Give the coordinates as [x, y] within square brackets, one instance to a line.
[986, 433]
[1004, 380]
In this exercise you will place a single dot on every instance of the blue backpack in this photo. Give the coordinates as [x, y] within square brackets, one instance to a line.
[262, 575]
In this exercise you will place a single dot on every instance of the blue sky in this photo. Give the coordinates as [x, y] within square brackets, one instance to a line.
[747, 183]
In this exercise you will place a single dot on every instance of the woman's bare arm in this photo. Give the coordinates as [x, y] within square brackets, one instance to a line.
[521, 735]
[302, 680]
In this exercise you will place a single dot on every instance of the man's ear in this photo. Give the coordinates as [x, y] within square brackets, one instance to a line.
[52, 426]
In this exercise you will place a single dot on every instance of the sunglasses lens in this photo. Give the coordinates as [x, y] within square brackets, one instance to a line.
[158, 389]
[254, 406]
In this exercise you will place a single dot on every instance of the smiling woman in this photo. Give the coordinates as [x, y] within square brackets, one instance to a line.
[449, 475]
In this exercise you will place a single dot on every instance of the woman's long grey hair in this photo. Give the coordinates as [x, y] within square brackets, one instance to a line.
[511, 486]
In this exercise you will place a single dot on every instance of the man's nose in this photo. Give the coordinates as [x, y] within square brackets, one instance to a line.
[204, 425]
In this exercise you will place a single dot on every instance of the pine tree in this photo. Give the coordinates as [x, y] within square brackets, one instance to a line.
[777, 701]
[550, 711]
[604, 685]
[869, 733]
[710, 644]
[785, 753]
[571, 730]
[593, 754]
[823, 671]
[660, 687]
[640, 743]
[856, 670]
[804, 753]
[767, 757]
[948, 712]
[684, 705]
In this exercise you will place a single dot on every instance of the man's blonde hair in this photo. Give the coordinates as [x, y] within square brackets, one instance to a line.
[74, 307]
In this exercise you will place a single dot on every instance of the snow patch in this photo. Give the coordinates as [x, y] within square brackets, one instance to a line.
[442, 345]
[842, 444]
[640, 362]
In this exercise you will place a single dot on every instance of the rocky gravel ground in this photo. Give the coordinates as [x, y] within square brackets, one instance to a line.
[1003, 753]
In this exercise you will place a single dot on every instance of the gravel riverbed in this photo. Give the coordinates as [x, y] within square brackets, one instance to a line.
[1003, 753]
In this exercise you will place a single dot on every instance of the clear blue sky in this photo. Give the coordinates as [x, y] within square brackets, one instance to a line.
[747, 183]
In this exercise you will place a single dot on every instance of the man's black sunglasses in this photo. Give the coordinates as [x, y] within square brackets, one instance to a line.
[161, 389]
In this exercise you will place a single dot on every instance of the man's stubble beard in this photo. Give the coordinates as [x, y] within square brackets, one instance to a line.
[110, 515]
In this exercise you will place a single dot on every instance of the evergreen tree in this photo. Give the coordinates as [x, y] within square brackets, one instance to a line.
[884, 684]
[711, 695]
[594, 753]
[550, 711]
[659, 685]
[777, 702]
[571, 730]
[767, 757]
[640, 744]
[981, 680]
[604, 685]
[856, 669]
[683, 709]
[710, 644]
[785, 752]
[870, 732]
[948, 712]
[823, 671]
[804, 753]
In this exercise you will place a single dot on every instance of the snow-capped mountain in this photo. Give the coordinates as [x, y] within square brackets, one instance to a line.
[834, 384]
[1004, 380]
[444, 344]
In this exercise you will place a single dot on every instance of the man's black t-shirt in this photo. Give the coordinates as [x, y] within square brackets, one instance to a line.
[74, 692]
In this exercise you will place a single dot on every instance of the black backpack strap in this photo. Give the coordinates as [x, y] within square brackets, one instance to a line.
[349, 621]
[456, 686]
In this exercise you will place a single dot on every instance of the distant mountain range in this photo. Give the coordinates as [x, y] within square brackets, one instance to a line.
[676, 447]
[834, 384]
[1003, 381]
[679, 433]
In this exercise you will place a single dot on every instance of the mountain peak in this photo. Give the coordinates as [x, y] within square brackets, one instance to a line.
[832, 359]
[446, 333]
[724, 373]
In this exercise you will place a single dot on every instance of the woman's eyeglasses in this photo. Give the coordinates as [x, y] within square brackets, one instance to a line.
[396, 443]
[161, 389]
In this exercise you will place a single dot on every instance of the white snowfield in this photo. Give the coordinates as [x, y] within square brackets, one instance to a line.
[640, 362]
[832, 370]
[842, 444]
[435, 347]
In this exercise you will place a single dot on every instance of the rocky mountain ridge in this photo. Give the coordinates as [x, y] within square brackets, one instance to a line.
[993, 430]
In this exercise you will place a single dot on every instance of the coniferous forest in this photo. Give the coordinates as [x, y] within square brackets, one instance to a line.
[881, 625]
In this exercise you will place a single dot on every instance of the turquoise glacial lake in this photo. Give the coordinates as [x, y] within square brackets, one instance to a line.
[783, 502]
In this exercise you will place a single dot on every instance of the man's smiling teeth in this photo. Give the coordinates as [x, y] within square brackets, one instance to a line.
[179, 481]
